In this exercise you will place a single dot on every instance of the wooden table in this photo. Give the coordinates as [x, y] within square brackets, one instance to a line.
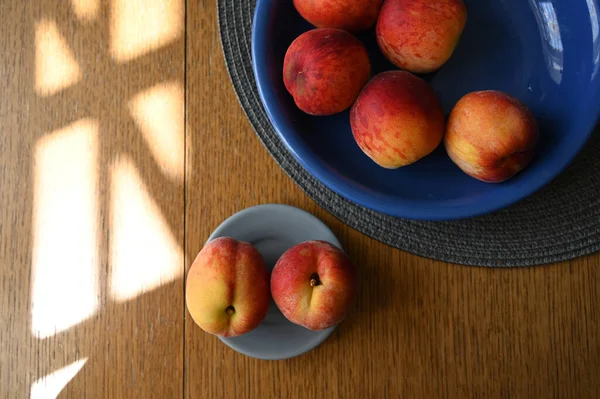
[123, 146]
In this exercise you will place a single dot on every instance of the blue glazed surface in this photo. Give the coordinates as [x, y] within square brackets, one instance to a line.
[545, 53]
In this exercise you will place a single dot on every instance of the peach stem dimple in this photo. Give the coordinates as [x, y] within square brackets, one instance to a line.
[230, 310]
[314, 280]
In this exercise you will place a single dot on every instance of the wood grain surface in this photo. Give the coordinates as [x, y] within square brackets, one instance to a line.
[87, 201]
[123, 146]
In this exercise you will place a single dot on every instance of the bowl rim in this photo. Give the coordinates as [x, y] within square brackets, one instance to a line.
[394, 206]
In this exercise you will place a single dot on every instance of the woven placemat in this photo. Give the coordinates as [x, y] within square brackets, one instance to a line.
[560, 222]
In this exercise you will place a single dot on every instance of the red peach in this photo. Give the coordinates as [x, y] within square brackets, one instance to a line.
[350, 15]
[397, 119]
[314, 284]
[420, 35]
[227, 292]
[324, 70]
[491, 136]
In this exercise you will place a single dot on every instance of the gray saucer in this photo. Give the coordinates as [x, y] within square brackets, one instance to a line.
[273, 229]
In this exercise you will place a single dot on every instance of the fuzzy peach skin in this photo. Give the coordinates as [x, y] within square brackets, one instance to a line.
[397, 119]
[324, 70]
[227, 292]
[350, 15]
[420, 35]
[314, 284]
[491, 136]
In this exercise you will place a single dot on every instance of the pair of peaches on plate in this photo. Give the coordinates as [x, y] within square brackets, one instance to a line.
[229, 289]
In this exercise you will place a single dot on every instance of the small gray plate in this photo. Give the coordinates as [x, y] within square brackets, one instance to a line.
[273, 229]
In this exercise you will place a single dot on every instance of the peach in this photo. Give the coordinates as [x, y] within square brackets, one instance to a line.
[491, 136]
[227, 292]
[397, 119]
[324, 70]
[420, 35]
[314, 284]
[351, 15]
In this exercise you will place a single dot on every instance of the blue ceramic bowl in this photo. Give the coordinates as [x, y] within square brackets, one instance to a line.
[545, 53]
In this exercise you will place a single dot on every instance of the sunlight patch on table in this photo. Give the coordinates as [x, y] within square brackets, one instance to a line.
[144, 253]
[50, 386]
[158, 112]
[86, 10]
[55, 66]
[140, 26]
[65, 222]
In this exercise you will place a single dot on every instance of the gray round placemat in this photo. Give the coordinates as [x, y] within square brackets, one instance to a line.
[560, 222]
